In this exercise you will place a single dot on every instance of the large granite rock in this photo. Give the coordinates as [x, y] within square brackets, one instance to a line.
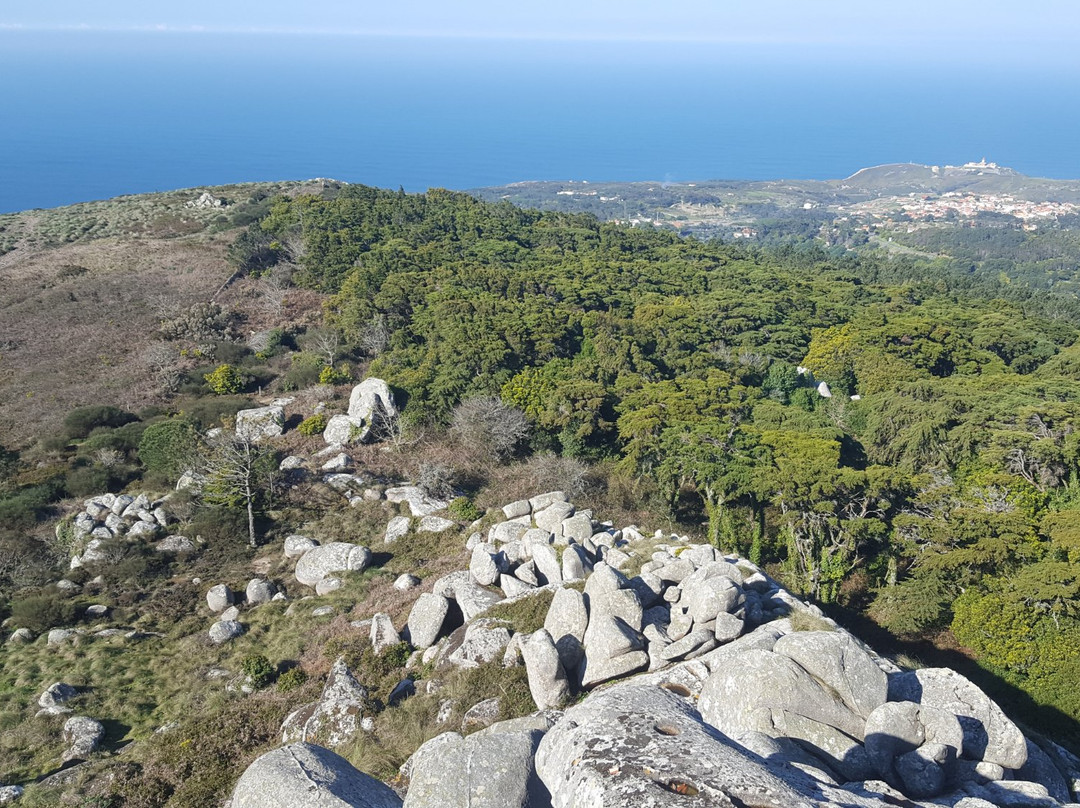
[988, 735]
[83, 735]
[55, 697]
[834, 657]
[770, 693]
[259, 423]
[327, 559]
[372, 405]
[303, 775]
[548, 684]
[335, 717]
[427, 618]
[634, 746]
[219, 598]
[485, 770]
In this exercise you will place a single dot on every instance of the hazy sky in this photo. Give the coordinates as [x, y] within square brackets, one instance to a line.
[1010, 27]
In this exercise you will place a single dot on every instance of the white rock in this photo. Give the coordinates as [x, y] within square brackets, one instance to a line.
[259, 423]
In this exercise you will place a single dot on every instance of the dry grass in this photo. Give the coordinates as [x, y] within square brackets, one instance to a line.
[82, 288]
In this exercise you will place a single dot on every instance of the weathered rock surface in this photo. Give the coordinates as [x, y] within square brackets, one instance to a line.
[327, 559]
[481, 771]
[548, 684]
[426, 619]
[988, 734]
[259, 423]
[835, 657]
[770, 693]
[259, 590]
[224, 630]
[303, 775]
[383, 633]
[633, 745]
[83, 736]
[296, 546]
[484, 641]
[55, 698]
[396, 528]
[335, 717]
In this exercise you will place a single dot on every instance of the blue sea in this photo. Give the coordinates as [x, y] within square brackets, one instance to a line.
[87, 115]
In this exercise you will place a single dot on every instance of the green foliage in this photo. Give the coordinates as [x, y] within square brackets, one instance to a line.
[303, 372]
[292, 679]
[334, 375]
[42, 612]
[463, 509]
[313, 425]
[258, 670]
[81, 421]
[253, 251]
[167, 447]
[226, 380]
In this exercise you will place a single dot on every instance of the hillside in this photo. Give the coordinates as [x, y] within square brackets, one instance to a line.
[863, 440]
[979, 218]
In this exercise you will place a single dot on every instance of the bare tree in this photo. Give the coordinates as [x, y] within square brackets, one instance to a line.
[375, 336]
[239, 472]
[159, 358]
[488, 424]
[323, 341]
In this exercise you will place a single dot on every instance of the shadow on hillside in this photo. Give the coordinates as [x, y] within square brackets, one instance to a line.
[1018, 705]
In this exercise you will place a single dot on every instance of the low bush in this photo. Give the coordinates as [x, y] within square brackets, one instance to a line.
[313, 425]
[167, 447]
[42, 612]
[82, 420]
[292, 679]
[332, 375]
[258, 670]
[464, 509]
[226, 380]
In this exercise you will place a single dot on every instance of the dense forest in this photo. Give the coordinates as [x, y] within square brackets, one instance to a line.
[937, 485]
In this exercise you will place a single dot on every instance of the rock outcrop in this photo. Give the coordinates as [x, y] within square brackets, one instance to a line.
[335, 717]
[693, 687]
[303, 775]
[325, 560]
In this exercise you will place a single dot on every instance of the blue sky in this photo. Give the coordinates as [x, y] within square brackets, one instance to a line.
[1037, 27]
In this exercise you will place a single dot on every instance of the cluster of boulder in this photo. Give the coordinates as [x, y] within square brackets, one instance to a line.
[225, 605]
[110, 516]
[703, 682]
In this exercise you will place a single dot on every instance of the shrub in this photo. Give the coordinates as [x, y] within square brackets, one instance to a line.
[82, 420]
[331, 375]
[202, 321]
[167, 447]
[313, 425]
[122, 439]
[226, 380]
[303, 372]
[464, 510]
[208, 412]
[490, 425]
[436, 479]
[86, 481]
[258, 670]
[42, 612]
[292, 679]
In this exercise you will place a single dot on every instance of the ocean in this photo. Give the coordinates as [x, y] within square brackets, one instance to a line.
[87, 115]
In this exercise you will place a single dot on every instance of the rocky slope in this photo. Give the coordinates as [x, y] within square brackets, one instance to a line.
[699, 681]
[662, 671]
